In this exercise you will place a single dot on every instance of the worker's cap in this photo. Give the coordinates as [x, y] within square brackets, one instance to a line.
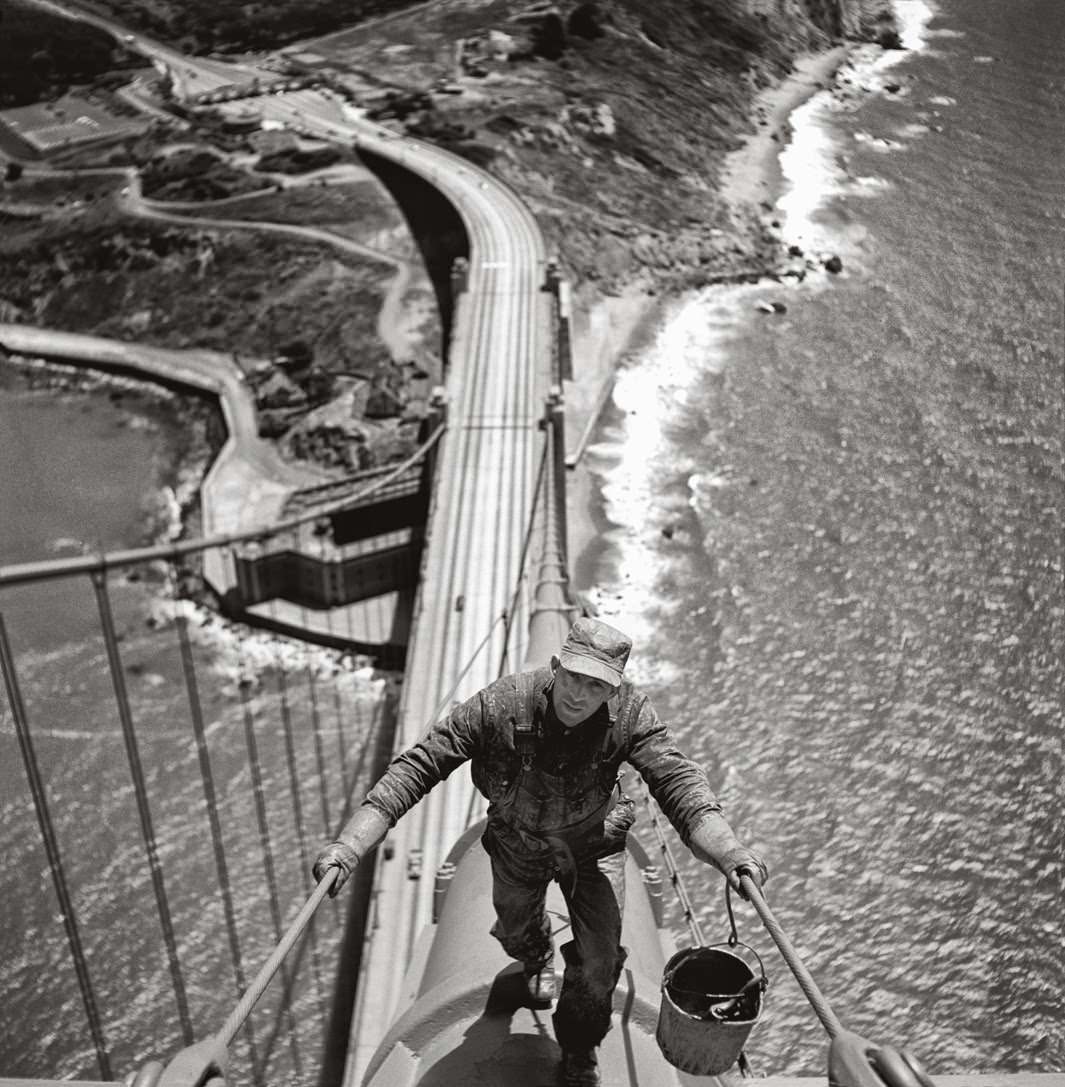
[595, 649]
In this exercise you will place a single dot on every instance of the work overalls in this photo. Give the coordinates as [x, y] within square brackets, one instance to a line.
[563, 817]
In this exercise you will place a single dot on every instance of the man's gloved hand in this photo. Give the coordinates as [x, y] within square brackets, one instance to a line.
[363, 832]
[713, 841]
[739, 860]
[337, 855]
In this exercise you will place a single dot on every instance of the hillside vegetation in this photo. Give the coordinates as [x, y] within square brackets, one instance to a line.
[42, 53]
[200, 26]
[611, 118]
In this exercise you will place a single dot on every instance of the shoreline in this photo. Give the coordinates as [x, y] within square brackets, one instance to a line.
[751, 176]
[189, 427]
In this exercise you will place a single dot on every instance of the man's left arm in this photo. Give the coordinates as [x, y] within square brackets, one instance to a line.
[682, 790]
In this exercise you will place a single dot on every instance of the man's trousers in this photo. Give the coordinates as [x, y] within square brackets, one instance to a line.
[595, 894]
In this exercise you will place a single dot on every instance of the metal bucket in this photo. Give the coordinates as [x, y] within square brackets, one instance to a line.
[711, 1000]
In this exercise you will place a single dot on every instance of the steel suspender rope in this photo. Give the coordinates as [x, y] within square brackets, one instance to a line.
[674, 874]
[258, 986]
[833, 1027]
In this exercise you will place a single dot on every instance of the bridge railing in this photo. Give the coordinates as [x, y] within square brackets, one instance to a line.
[181, 767]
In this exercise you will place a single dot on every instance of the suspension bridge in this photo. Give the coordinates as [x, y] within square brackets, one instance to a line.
[233, 780]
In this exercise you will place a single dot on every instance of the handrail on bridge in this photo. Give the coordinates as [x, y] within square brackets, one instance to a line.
[27, 572]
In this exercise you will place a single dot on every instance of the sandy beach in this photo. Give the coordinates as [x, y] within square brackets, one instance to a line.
[609, 329]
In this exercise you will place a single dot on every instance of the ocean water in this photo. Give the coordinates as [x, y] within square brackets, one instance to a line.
[86, 472]
[836, 535]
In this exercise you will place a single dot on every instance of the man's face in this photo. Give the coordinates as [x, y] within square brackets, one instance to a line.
[576, 697]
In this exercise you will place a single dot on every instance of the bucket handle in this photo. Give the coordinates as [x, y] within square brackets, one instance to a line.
[763, 981]
[734, 939]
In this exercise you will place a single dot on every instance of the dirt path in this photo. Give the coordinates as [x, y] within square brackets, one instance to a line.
[390, 328]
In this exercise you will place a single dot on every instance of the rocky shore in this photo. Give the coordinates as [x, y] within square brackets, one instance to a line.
[609, 328]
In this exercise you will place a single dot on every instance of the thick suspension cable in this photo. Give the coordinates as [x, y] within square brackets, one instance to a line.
[266, 973]
[817, 1000]
[538, 491]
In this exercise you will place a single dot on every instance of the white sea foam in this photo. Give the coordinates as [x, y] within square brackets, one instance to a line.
[238, 652]
[812, 165]
[687, 348]
[913, 18]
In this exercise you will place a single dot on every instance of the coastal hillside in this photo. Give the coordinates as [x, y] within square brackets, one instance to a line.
[611, 118]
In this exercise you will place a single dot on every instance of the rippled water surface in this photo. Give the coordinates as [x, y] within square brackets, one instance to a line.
[837, 538]
[85, 472]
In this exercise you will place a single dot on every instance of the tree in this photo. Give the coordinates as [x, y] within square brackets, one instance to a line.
[549, 38]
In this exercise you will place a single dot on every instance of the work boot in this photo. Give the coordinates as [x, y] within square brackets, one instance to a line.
[579, 1068]
[540, 982]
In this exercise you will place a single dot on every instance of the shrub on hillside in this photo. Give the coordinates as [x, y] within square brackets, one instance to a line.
[43, 54]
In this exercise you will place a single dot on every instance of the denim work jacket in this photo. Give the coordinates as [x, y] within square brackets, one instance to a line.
[540, 778]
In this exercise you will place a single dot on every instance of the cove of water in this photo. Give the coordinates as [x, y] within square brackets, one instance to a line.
[81, 473]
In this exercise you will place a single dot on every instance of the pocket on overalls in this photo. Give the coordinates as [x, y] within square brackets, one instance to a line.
[488, 840]
[619, 822]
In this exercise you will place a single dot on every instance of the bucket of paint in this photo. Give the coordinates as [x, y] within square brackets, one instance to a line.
[711, 1000]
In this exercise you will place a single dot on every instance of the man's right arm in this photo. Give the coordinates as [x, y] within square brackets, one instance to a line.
[410, 775]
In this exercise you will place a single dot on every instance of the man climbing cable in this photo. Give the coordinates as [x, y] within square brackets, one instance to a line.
[546, 748]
